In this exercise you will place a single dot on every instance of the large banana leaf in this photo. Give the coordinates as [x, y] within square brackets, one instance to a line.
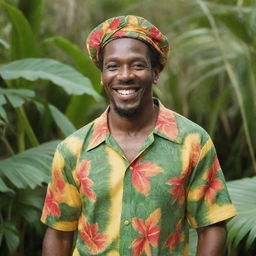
[86, 67]
[82, 63]
[61, 74]
[23, 42]
[27, 169]
[243, 226]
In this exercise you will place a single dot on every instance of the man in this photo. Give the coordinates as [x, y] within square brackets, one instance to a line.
[132, 181]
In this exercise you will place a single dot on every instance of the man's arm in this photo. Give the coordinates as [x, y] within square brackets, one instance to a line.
[57, 243]
[211, 240]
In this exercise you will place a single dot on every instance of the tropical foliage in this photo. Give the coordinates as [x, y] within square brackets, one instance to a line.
[48, 88]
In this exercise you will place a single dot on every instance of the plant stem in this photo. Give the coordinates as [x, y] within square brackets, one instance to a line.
[26, 126]
[7, 144]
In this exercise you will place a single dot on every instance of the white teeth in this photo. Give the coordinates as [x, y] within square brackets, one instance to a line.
[126, 92]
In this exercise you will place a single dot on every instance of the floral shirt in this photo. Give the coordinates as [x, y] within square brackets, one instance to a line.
[143, 207]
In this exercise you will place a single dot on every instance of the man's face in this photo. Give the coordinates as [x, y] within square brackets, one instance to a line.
[128, 76]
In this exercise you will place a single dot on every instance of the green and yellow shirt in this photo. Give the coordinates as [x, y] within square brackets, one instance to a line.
[140, 208]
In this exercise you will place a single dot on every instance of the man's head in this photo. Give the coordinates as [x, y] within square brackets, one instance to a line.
[130, 53]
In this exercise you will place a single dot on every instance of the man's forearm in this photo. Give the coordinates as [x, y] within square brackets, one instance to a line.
[57, 243]
[211, 240]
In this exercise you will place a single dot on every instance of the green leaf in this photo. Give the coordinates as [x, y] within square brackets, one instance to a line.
[4, 188]
[241, 226]
[86, 67]
[25, 93]
[2, 99]
[4, 44]
[62, 121]
[33, 12]
[82, 63]
[11, 236]
[15, 100]
[29, 168]
[16, 96]
[237, 26]
[23, 43]
[216, 108]
[61, 74]
[3, 114]
[31, 198]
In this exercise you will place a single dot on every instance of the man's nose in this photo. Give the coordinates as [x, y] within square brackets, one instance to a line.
[125, 74]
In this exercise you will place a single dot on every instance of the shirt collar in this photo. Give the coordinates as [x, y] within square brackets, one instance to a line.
[165, 127]
[166, 124]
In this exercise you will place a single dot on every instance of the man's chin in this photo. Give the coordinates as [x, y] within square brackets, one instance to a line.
[128, 113]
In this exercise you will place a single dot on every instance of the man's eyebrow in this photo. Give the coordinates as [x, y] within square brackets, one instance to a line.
[132, 59]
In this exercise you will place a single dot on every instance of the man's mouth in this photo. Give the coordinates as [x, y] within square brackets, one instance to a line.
[126, 91]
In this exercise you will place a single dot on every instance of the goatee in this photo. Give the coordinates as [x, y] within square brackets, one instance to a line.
[128, 113]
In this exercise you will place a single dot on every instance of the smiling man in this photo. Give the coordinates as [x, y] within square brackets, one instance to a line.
[134, 180]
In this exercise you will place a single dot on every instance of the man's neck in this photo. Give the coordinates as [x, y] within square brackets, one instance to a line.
[143, 121]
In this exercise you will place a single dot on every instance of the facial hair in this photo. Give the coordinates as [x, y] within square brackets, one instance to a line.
[128, 113]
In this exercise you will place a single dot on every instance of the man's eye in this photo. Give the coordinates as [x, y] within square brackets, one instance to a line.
[112, 67]
[138, 66]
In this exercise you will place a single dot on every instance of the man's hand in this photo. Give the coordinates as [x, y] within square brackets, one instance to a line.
[57, 243]
[211, 240]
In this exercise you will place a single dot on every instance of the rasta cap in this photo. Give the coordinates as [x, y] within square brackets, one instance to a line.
[129, 26]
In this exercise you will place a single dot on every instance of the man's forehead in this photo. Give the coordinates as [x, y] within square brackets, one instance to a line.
[127, 45]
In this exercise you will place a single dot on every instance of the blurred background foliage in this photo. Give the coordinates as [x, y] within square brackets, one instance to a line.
[49, 88]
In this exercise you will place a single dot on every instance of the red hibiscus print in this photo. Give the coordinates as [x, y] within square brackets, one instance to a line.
[95, 39]
[120, 33]
[213, 183]
[95, 241]
[53, 196]
[150, 232]
[51, 205]
[114, 24]
[85, 182]
[166, 124]
[178, 190]
[175, 238]
[155, 33]
[141, 173]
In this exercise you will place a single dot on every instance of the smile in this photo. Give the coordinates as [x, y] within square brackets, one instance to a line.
[126, 92]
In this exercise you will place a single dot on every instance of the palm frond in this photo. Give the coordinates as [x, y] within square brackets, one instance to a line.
[243, 226]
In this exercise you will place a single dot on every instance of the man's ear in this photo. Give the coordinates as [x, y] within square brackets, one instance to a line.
[156, 73]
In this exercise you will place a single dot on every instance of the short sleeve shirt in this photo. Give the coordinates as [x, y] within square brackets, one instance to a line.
[143, 207]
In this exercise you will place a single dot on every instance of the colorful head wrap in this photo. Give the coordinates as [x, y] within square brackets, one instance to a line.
[126, 26]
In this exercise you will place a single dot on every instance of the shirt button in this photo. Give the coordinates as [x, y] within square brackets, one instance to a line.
[126, 222]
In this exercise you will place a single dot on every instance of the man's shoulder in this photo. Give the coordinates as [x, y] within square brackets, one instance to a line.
[187, 126]
[75, 141]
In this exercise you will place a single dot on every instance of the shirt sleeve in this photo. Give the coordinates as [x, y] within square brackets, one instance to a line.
[208, 200]
[62, 204]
